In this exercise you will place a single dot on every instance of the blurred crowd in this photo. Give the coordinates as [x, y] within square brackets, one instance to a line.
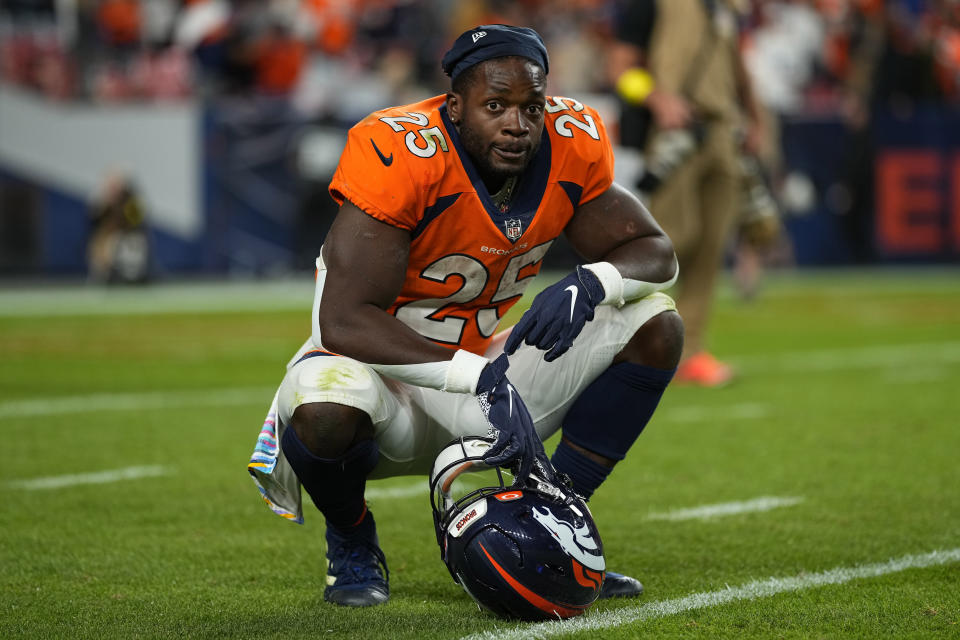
[806, 55]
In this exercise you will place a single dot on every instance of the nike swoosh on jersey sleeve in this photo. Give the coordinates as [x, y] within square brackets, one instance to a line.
[387, 161]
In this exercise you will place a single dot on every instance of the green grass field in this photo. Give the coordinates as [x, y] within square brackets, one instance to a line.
[127, 418]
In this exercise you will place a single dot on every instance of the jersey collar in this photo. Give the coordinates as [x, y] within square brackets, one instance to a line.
[532, 186]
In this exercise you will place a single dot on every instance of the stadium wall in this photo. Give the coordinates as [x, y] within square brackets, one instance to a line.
[54, 158]
[227, 188]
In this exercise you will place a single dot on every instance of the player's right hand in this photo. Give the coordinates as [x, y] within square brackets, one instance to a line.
[517, 442]
[558, 314]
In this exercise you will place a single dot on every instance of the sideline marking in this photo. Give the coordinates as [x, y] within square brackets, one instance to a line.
[132, 473]
[82, 299]
[295, 292]
[707, 511]
[422, 488]
[99, 477]
[134, 401]
[742, 411]
[838, 359]
[753, 590]
[868, 357]
[407, 491]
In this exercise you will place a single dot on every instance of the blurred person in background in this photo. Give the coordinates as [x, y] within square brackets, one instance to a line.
[891, 64]
[946, 38]
[759, 230]
[118, 250]
[782, 48]
[119, 24]
[680, 61]
[279, 57]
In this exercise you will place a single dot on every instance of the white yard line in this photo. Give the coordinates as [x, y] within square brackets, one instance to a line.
[707, 511]
[916, 373]
[406, 491]
[132, 473]
[56, 405]
[743, 411]
[135, 401]
[186, 297]
[296, 292]
[877, 356]
[99, 477]
[750, 591]
[823, 360]
[421, 488]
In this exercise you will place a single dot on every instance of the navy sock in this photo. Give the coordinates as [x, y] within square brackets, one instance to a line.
[607, 418]
[585, 473]
[335, 485]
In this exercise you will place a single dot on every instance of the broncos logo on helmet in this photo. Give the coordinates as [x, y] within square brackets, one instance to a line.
[577, 542]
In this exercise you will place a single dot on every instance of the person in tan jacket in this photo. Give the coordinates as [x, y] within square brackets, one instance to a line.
[680, 61]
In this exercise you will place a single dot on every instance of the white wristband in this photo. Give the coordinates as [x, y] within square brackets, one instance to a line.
[458, 375]
[611, 280]
[618, 289]
[464, 372]
[634, 289]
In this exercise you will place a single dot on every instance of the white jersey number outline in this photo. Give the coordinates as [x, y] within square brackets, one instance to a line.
[564, 123]
[431, 137]
[421, 315]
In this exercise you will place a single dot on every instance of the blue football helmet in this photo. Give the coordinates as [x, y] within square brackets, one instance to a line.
[529, 552]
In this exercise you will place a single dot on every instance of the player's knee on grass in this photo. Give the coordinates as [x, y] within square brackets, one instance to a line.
[328, 430]
[657, 343]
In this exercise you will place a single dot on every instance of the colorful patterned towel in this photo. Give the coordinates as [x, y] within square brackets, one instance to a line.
[277, 482]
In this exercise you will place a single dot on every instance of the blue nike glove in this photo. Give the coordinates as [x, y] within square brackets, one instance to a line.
[558, 314]
[517, 442]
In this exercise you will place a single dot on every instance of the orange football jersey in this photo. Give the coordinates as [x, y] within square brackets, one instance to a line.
[469, 261]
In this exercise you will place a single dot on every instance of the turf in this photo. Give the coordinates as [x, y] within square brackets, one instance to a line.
[847, 401]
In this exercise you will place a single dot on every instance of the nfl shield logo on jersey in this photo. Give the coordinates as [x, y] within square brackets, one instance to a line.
[514, 228]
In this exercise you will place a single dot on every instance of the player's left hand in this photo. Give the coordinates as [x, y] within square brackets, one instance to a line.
[517, 443]
[558, 314]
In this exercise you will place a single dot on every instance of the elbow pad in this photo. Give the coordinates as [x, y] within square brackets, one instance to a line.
[618, 290]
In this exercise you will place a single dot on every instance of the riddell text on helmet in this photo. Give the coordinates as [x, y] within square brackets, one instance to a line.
[467, 518]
